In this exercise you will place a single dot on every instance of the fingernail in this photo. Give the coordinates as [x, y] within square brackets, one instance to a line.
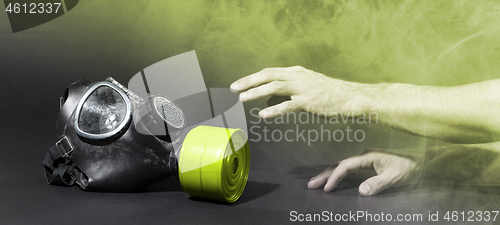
[365, 189]
[234, 86]
[243, 96]
[313, 178]
[264, 114]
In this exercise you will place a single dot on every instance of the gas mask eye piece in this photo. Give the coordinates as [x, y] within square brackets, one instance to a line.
[169, 111]
[103, 111]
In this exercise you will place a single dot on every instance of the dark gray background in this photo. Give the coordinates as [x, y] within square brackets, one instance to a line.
[37, 64]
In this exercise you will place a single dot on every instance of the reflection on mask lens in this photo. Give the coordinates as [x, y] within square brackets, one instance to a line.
[168, 111]
[102, 111]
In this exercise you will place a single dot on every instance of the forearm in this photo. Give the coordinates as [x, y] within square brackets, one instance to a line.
[461, 114]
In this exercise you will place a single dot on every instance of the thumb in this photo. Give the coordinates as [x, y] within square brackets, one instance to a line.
[376, 184]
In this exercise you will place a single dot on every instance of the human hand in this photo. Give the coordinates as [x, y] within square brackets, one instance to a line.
[309, 91]
[391, 169]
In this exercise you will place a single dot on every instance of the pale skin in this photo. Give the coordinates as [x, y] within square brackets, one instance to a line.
[464, 114]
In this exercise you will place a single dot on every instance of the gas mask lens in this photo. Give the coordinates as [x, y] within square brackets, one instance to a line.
[102, 112]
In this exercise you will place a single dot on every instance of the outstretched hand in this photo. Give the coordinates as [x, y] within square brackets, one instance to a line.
[391, 169]
[309, 91]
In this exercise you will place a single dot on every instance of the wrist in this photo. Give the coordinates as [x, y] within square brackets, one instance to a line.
[368, 97]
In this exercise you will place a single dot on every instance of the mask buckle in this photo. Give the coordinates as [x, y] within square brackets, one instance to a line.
[64, 143]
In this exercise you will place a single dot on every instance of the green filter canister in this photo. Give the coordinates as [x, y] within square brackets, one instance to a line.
[214, 163]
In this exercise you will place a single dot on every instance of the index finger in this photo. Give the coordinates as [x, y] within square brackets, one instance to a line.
[346, 166]
[262, 77]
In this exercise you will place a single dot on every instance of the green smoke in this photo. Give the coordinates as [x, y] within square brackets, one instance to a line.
[430, 42]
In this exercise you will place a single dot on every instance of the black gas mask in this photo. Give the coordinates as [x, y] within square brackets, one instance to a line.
[112, 140]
